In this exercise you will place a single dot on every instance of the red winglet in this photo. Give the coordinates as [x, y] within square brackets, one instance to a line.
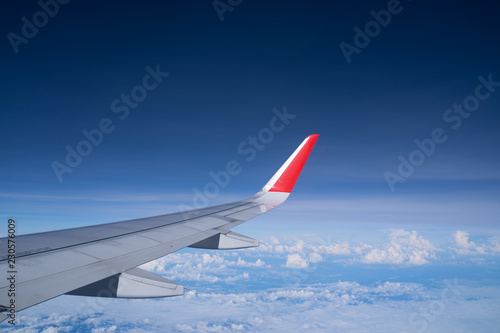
[293, 166]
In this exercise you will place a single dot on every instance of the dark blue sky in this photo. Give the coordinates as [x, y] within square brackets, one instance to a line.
[225, 78]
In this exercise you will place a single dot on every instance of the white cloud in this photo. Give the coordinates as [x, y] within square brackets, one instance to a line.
[202, 266]
[315, 257]
[343, 306]
[295, 260]
[466, 247]
[212, 259]
[403, 248]
[111, 329]
[244, 276]
[243, 263]
[406, 248]
[279, 249]
[52, 329]
[205, 327]
[495, 247]
[341, 248]
[274, 240]
[298, 247]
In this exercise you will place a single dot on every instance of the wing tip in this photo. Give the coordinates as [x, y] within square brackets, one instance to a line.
[284, 180]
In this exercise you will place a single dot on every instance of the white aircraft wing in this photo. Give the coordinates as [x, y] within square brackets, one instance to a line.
[102, 260]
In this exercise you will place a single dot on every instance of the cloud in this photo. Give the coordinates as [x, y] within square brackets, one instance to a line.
[342, 306]
[295, 260]
[264, 302]
[244, 276]
[243, 263]
[274, 240]
[202, 266]
[229, 291]
[495, 247]
[53, 329]
[298, 247]
[342, 248]
[403, 248]
[205, 327]
[315, 257]
[463, 246]
[111, 329]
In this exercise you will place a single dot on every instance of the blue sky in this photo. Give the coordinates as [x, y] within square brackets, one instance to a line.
[200, 86]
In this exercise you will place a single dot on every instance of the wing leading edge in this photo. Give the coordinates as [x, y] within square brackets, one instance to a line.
[102, 260]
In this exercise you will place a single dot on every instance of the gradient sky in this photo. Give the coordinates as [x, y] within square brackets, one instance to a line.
[225, 79]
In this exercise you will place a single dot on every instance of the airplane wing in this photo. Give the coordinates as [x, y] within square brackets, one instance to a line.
[102, 260]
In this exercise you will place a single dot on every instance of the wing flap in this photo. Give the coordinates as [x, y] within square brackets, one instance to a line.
[226, 241]
[134, 283]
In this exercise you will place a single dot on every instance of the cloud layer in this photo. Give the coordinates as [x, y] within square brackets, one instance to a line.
[313, 285]
[343, 306]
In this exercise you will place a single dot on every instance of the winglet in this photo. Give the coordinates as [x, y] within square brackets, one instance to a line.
[285, 178]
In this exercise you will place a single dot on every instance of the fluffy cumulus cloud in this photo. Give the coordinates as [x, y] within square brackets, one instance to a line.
[314, 257]
[464, 246]
[205, 267]
[111, 329]
[295, 260]
[403, 247]
[298, 247]
[340, 248]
